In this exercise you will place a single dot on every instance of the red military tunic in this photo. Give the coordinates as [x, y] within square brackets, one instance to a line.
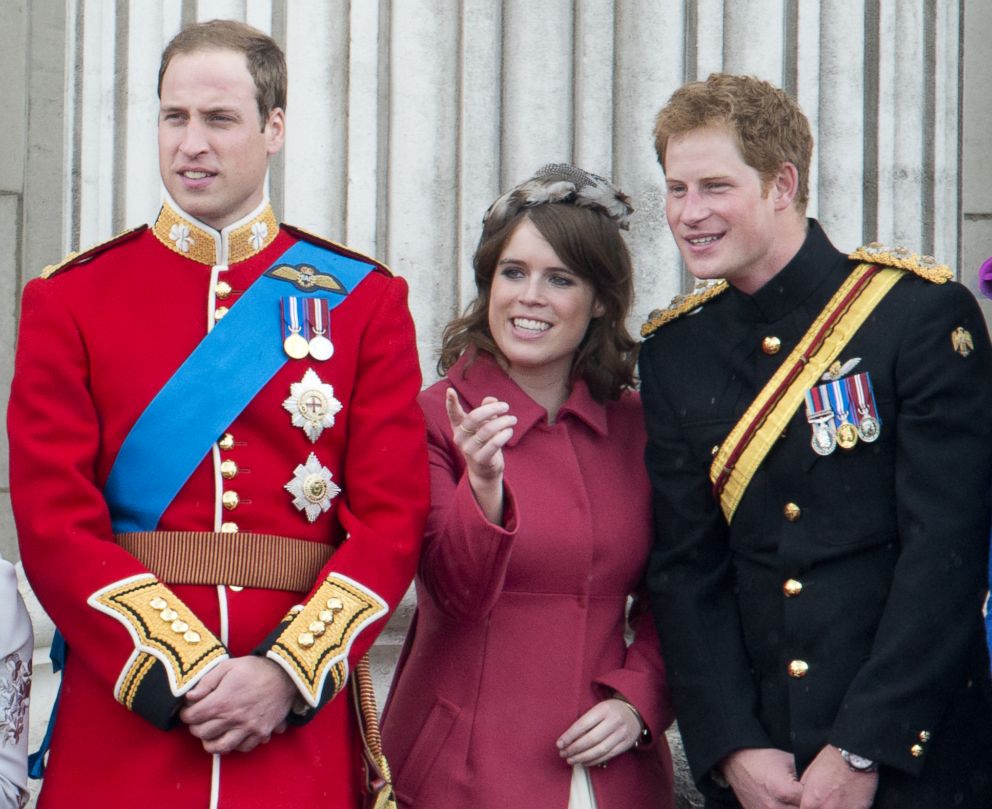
[99, 337]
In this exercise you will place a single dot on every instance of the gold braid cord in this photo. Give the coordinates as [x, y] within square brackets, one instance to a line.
[163, 628]
[681, 305]
[316, 643]
[380, 779]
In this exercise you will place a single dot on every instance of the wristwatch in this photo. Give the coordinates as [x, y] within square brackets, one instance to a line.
[858, 763]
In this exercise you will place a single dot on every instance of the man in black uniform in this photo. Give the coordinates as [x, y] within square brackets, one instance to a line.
[819, 446]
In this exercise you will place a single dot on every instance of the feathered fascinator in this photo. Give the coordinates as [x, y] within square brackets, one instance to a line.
[561, 182]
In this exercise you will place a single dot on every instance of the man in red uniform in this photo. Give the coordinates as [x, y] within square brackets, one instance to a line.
[218, 469]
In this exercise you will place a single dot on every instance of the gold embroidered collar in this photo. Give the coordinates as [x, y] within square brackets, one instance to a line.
[195, 240]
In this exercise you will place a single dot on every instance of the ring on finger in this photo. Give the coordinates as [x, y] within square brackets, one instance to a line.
[466, 429]
[478, 440]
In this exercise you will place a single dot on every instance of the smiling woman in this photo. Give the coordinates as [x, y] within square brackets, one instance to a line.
[515, 677]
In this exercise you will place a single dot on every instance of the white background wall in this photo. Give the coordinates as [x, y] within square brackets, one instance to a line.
[407, 117]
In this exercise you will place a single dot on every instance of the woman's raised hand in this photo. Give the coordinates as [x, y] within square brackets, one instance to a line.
[480, 435]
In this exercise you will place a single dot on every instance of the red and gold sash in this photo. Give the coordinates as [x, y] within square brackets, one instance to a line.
[753, 436]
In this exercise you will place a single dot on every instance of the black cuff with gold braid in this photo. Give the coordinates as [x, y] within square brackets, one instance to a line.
[313, 641]
[173, 648]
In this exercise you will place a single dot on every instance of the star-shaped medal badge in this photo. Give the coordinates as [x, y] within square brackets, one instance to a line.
[312, 488]
[312, 405]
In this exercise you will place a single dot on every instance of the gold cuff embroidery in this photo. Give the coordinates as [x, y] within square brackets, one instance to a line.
[316, 643]
[161, 626]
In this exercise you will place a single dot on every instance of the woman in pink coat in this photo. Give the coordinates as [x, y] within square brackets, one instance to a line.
[517, 687]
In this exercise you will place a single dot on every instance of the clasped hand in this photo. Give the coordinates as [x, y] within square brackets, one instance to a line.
[766, 779]
[239, 704]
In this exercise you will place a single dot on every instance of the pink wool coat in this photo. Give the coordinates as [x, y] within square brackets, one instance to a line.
[520, 629]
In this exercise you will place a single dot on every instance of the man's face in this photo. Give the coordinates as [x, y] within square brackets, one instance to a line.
[212, 150]
[721, 214]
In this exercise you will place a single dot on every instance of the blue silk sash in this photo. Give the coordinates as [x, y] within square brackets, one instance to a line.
[180, 425]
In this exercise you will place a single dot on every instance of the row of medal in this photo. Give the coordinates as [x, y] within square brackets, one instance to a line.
[306, 324]
[841, 412]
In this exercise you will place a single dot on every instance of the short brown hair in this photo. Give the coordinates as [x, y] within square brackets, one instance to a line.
[266, 61]
[590, 244]
[767, 123]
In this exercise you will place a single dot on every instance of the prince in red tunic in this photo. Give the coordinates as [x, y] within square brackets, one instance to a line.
[210, 628]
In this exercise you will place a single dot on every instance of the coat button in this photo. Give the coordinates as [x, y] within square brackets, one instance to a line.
[219, 312]
[230, 500]
[771, 345]
[228, 469]
[798, 668]
[222, 289]
[792, 512]
[916, 750]
[924, 736]
[792, 588]
[229, 528]
[226, 441]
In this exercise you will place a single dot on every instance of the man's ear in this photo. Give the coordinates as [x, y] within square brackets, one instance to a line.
[275, 131]
[785, 186]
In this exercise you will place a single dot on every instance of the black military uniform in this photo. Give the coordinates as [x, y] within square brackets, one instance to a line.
[842, 604]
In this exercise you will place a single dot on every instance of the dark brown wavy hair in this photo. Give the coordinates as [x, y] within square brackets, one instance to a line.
[589, 243]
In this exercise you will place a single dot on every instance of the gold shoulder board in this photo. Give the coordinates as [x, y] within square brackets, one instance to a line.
[901, 258]
[79, 257]
[313, 238]
[681, 305]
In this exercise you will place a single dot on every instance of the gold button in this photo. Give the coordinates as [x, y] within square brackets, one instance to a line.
[179, 627]
[235, 588]
[798, 668]
[230, 500]
[228, 469]
[158, 603]
[168, 615]
[334, 604]
[715, 450]
[317, 628]
[305, 640]
[792, 588]
[192, 637]
[916, 750]
[219, 312]
[327, 616]
[226, 441]
[792, 512]
[229, 528]
[924, 736]
[771, 345]
[222, 290]
[296, 609]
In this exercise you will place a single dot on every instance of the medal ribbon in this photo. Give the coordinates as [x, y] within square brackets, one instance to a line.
[753, 436]
[180, 425]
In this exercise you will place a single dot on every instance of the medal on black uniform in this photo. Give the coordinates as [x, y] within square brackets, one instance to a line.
[863, 395]
[821, 419]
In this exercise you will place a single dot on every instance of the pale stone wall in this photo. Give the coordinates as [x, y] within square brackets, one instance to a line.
[407, 117]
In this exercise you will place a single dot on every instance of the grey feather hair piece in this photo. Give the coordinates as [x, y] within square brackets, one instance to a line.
[561, 182]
